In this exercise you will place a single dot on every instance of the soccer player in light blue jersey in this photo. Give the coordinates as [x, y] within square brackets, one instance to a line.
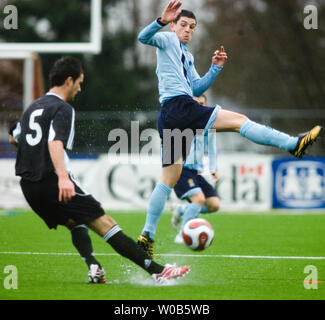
[178, 82]
[192, 186]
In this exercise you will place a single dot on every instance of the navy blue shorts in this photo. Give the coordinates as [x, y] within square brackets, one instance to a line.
[187, 115]
[191, 183]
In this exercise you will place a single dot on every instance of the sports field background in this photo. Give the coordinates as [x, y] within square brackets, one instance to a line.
[253, 256]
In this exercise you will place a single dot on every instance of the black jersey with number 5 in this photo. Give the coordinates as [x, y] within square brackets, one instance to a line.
[46, 119]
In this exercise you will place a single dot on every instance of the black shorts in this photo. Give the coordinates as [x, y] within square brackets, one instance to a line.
[43, 195]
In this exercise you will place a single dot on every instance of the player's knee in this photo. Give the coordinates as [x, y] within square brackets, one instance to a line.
[171, 174]
[213, 205]
[70, 224]
[199, 199]
[241, 119]
[102, 224]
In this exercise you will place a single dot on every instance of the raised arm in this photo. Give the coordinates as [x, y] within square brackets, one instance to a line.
[171, 12]
[149, 34]
[200, 85]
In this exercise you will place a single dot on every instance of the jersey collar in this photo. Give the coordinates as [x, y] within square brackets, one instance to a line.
[54, 94]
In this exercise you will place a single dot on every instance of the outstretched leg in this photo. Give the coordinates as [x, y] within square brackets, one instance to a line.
[106, 227]
[233, 121]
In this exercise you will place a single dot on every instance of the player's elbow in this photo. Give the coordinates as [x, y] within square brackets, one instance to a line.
[197, 89]
[146, 38]
[55, 144]
[142, 38]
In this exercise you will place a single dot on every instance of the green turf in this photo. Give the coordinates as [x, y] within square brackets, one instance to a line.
[211, 277]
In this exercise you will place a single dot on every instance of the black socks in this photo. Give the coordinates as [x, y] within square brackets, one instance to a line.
[82, 242]
[126, 247]
[120, 242]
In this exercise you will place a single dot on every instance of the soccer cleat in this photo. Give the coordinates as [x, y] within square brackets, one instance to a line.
[170, 272]
[179, 239]
[146, 244]
[305, 140]
[176, 217]
[96, 275]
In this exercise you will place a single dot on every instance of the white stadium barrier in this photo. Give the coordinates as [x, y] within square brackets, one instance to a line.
[245, 182]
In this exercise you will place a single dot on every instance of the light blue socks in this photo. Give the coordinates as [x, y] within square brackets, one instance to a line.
[191, 212]
[204, 209]
[181, 209]
[267, 136]
[155, 209]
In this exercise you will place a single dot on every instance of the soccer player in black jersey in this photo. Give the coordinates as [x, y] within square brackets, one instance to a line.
[43, 134]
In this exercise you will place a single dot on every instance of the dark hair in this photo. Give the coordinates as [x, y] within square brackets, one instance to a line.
[63, 68]
[185, 13]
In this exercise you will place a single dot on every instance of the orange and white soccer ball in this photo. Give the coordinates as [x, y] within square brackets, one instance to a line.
[197, 234]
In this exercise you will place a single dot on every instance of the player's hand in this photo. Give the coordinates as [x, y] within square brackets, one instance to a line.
[13, 141]
[66, 189]
[171, 11]
[220, 57]
[215, 175]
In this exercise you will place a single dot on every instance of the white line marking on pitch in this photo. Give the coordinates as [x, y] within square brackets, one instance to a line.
[174, 255]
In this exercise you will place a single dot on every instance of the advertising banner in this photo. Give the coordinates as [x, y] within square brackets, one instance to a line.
[121, 184]
[299, 184]
[245, 181]
[10, 193]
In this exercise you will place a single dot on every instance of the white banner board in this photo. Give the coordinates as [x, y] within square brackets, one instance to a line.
[245, 182]
[10, 193]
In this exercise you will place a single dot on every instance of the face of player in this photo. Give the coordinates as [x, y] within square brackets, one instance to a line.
[184, 29]
[75, 86]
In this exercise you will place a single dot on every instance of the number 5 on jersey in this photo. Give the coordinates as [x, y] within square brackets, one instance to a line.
[33, 125]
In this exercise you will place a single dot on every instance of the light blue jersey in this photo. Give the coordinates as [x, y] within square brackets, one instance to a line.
[172, 80]
[204, 144]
